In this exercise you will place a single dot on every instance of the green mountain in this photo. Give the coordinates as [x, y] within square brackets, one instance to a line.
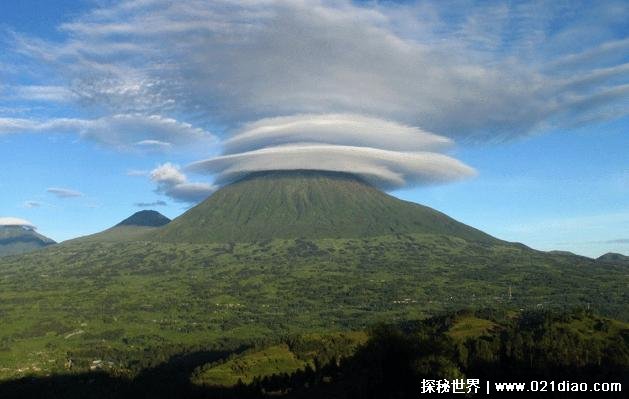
[133, 228]
[18, 240]
[306, 204]
[612, 257]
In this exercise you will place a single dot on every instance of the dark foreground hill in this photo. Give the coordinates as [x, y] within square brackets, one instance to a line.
[18, 240]
[387, 361]
[306, 204]
[133, 228]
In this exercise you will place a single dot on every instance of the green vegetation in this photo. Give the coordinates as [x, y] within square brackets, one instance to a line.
[306, 204]
[302, 352]
[134, 304]
[116, 234]
[391, 362]
[522, 347]
[272, 360]
[471, 327]
[209, 300]
[611, 257]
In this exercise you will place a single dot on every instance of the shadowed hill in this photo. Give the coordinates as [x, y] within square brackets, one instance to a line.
[18, 240]
[306, 204]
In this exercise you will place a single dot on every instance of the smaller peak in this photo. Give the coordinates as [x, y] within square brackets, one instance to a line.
[148, 218]
[613, 257]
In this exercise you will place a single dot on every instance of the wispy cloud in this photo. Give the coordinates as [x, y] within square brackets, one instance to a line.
[121, 130]
[136, 172]
[64, 192]
[154, 144]
[32, 204]
[618, 241]
[150, 204]
[333, 56]
[334, 84]
[42, 93]
[571, 224]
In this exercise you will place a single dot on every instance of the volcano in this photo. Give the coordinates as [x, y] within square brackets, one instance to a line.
[20, 239]
[306, 204]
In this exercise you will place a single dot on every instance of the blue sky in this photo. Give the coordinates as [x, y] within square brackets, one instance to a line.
[105, 104]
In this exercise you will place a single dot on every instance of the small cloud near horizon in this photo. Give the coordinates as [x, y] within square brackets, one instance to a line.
[32, 204]
[136, 172]
[618, 241]
[150, 204]
[64, 192]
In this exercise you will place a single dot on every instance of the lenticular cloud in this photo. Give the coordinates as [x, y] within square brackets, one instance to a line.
[384, 153]
[338, 129]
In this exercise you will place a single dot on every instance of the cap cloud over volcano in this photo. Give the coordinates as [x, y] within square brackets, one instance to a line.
[386, 154]
[381, 90]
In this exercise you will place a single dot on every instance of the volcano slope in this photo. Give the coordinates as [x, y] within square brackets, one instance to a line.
[283, 265]
[306, 204]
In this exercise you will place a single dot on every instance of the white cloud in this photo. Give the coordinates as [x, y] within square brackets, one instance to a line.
[64, 192]
[174, 184]
[373, 89]
[122, 131]
[136, 172]
[341, 129]
[13, 221]
[32, 204]
[475, 74]
[154, 144]
[618, 241]
[384, 153]
[43, 93]
[150, 204]
[382, 168]
[168, 174]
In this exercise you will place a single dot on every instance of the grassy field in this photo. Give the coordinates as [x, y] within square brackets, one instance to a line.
[276, 359]
[471, 327]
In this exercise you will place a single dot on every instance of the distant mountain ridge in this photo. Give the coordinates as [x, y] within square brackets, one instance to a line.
[306, 204]
[16, 240]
